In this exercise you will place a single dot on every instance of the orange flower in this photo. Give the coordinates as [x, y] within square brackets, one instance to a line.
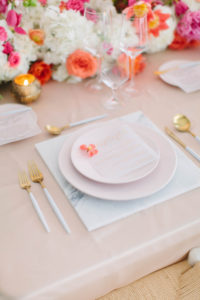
[179, 43]
[41, 71]
[140, 9]
[138, 67]
[157, 22]
[81, 64]
[90, 149]
[37, 36]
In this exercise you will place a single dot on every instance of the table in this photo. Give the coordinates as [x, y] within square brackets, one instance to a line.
[83, 265]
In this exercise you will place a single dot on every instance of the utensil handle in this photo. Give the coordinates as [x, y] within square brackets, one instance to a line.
[39, 212]
[87, 120]
[197, 138]
[56, 210]
[194, 154]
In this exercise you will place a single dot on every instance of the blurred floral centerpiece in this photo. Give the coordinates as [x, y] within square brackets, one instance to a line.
[51, 38]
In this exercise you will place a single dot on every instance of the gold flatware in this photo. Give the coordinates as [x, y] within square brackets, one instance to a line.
[37, 176]
[180, 66]
[25, 184]
[182, 123]
[57, 130]
[179, 141]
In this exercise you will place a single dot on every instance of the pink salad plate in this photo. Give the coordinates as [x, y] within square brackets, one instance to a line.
[122, 165]
[144, 187]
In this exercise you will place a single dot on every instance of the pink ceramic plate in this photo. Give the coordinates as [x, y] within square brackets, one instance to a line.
[144, 187]
[122, 156]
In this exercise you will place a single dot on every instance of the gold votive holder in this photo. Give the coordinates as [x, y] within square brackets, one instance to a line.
[26, 88]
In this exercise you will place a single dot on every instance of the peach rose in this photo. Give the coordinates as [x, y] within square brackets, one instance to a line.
[37, 36]
[81, 64]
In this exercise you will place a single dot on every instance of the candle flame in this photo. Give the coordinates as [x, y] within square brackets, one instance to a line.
[26, 82]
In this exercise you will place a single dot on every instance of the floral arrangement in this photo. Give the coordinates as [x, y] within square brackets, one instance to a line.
[48, 37]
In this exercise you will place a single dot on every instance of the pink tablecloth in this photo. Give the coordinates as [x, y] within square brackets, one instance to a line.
[83, 265]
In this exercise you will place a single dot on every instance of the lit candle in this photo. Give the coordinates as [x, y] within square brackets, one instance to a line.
[26, 88]
[24, 79]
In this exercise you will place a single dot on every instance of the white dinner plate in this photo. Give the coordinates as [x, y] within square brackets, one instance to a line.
[144, 187]
[123, 156]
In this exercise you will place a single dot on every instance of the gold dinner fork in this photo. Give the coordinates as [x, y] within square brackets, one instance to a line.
[37, 176]
[25, 184]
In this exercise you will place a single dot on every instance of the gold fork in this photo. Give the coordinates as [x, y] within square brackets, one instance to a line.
[37, 176]
[25, 184]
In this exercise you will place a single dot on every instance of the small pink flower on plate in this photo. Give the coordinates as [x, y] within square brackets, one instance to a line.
[90, 149]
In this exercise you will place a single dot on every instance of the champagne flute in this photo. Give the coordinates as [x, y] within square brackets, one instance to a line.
[137, 46]
[98, 19]
[115, 62]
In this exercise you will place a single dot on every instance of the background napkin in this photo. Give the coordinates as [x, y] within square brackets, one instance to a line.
[186, 77]
[95, 212]
[17, 122]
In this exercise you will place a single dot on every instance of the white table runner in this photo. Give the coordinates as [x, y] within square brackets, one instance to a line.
[95, 212]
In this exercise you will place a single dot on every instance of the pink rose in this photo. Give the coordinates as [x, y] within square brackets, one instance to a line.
[3, 34]
[8, 48]
[180, 8]
[14, 59]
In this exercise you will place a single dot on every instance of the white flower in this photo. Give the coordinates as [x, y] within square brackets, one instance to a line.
[165, 36]
[66, 32]
[60, 74]
[102, 5]
[193, 4]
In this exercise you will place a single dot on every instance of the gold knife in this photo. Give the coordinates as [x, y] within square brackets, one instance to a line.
[188, 149]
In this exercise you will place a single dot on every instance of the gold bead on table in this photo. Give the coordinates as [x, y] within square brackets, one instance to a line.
[26, 88]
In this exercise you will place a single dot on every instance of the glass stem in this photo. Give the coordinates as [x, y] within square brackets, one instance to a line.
[131, 68]
[114, 96]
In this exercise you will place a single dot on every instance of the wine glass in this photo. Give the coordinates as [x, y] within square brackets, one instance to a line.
[135, 46]
[98, 19]
[115, 62]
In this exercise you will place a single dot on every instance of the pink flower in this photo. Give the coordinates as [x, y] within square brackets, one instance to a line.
[3, 34]
[43, 2]
[189, 25]
[14, 59]
[8, 48]
[13, 20]
[107, 47]
[180, 8]
[77, 5]
[91, 15]
[3, 6]
[91, 149]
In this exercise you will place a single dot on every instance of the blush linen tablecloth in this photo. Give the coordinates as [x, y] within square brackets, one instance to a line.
[86, 265]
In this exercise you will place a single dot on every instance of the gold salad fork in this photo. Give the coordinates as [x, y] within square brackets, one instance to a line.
[37, 176]
[25, 184]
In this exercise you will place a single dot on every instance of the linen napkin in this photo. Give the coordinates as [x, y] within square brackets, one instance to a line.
[95, 212]
[17, 122]
[186, 76]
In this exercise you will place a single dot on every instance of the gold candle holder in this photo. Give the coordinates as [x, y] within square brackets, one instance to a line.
[26, 88]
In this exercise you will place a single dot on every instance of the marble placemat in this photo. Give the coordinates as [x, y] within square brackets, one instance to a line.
[94, 212]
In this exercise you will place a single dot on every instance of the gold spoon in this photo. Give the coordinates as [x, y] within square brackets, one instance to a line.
[182, 123]
[57, 130]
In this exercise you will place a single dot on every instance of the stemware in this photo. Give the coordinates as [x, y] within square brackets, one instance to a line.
[115, 62]
[136, 45]
[98, 19]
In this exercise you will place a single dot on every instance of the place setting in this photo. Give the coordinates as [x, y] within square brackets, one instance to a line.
[116, 168]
